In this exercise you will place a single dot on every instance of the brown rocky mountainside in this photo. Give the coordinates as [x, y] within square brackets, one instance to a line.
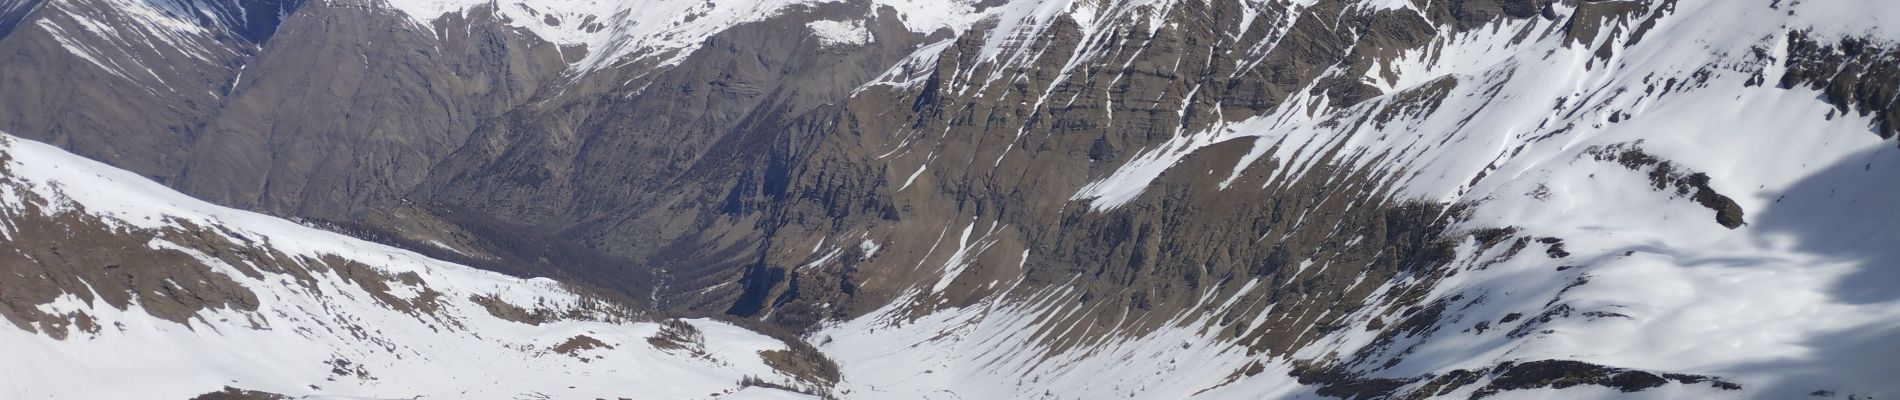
[1342, 190]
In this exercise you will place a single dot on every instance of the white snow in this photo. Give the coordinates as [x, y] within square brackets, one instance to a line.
[666, 31]
[1798, 300]
[283, 346]
[113, 41]
[840, 33]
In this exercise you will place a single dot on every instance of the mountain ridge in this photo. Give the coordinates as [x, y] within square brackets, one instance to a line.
[214, 288]
[1311, 198]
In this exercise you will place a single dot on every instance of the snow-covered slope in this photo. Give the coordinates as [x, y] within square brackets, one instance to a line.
[225, 298]
[1151, 199]
[1665, 207]
[663, 31]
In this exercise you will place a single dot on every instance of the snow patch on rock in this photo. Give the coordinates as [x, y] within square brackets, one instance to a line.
[840, 33]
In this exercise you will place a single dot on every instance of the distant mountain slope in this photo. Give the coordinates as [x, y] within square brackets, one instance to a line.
[121, 288]
[1587, 199]
[1150, 199]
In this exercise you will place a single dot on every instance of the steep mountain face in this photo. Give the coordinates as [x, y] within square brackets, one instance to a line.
[1013, 199]
[1448, 202]
[355, 105]
[650, 163]
[141, 70]
[333, 114]
[173, 298]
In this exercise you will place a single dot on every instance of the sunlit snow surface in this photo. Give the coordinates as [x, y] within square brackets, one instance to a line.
[460, 352]
[1802, 298]
[839, 33]
[612, 32]
[666, 31]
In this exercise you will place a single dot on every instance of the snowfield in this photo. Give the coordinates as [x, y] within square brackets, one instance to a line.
[1692, 218]
[335, 339]
[1798, 300]
[618, 32]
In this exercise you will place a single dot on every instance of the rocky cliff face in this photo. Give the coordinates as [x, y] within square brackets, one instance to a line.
[1353, 198]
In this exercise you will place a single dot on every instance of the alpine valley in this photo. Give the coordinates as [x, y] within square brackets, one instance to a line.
[949, 199]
